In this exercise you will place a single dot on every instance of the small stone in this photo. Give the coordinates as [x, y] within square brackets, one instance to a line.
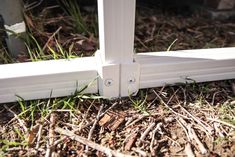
[72, 152]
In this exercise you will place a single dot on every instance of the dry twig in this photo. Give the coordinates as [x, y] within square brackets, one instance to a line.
[199, 121]
[149, 128]
[39, 136]
[21, 122]
[222, 122]
[107, 151]
[166, 104]
[153, 139]
[101, 115]
[94, 124]
[50, 38]
[51, 135]
[194, 136]
[188, 150]
[183, 124]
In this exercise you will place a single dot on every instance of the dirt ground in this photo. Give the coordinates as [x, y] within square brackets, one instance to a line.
[172, 121]
[183, 120]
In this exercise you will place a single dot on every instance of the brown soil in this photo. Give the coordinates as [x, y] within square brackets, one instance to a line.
[156, 122]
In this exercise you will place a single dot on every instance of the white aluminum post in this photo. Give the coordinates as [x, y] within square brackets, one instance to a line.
[116, 34]
[116, 30]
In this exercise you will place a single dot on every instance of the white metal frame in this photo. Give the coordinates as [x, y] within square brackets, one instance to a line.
[115, 70]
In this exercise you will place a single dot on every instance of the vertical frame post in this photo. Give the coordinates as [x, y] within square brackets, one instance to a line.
[116, 36]
[116, 30]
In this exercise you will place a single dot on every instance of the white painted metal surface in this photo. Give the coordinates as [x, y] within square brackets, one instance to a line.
[158, 69]
[47, 79]
[116, 34]
[109, 78]
[116, 30]
[129, 80]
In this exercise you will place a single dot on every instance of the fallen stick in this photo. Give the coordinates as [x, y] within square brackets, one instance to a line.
[130, 140]
[101, 115]
[21, 122]
[50, 38]
[107, 151]
[153, 139]
[166, 104]
[188, 150]
[149, 128]
[183, 124]
[222, 122]
[135, 121]
[199, 121]
[94, 124]
[39, 136]
[51, 134]
[194, 136]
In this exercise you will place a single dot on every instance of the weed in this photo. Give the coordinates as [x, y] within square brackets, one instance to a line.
[227, 113]
[94, 25]
[37, 53]
[41, 108]
[5, 58]
[169, 48]
[7, 144]
[71, 7]
[140, 104]
[221, 139]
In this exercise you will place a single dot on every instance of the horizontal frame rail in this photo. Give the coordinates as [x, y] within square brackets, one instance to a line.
[162, 68]
[45, 79]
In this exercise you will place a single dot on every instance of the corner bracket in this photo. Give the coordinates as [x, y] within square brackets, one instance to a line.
[108, 79]
[130, 76]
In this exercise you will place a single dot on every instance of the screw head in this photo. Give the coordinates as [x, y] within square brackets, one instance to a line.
[131, 80]
[108, 82]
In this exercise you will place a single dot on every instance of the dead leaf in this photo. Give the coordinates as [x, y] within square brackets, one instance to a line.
[130, 142]
[32, 135]
[106, 118]
[117, 123]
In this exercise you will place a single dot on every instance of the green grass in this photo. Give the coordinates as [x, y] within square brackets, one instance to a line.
[35, 112]
[72, 8]
[36, 52]
[140, 103]
[8, 144]
[5, 58]
[227, 113]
